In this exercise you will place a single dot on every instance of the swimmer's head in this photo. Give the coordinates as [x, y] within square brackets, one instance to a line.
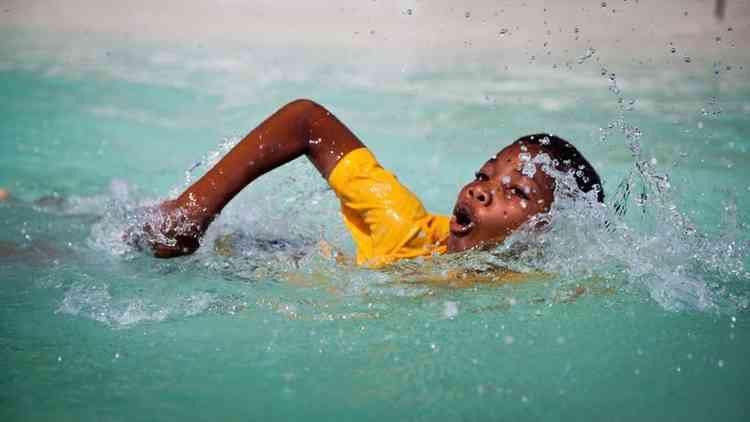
[4, 194]
[503, 196]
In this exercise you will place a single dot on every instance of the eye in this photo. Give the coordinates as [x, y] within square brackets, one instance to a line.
[516, 191]
[481, 176]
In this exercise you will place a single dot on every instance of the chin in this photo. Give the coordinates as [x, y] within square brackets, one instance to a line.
[458, 244]
[454, 245]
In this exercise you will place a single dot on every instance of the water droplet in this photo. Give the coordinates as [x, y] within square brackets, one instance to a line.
[467, 15]
[409, 12]
[720, 363]
[688, 59]
[508, 340]
[450, 309]
[673, 50]
[604, 4]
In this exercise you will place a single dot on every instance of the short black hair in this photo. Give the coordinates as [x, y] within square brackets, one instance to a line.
[566, 158]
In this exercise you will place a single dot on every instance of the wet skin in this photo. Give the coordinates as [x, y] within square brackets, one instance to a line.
[487, 210]
[499, 200]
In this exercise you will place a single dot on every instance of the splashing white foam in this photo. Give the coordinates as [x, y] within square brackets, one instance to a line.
[92, 299]
[643, 242]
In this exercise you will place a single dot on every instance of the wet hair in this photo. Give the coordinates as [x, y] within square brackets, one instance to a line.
[567, 158]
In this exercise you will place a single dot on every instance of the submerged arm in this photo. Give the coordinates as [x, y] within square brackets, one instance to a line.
[301, 127]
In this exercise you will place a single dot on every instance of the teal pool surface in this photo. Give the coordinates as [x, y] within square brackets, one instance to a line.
[91, 329]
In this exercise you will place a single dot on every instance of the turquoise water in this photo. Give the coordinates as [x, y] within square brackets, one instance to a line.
[93, 330]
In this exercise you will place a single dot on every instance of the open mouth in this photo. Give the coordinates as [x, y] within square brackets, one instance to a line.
[462, 220]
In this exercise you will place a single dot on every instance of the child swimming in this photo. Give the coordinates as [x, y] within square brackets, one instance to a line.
[386, 220]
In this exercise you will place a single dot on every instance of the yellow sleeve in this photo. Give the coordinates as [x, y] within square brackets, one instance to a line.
[385, 219]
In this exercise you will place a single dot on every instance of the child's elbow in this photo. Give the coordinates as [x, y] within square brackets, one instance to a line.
[303, 103]
[306, 107]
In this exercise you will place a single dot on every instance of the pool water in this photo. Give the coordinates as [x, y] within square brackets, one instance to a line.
[91, 329]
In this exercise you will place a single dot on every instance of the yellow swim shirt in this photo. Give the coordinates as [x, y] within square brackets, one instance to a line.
[385, 219]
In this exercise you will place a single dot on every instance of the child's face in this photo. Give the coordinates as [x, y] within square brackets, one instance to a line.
[499, 200]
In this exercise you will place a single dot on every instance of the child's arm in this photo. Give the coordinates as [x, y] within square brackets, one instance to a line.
[301, 127]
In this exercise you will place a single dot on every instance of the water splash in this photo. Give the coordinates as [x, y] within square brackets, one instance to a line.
[589, 53]
[639, 241]
[94, 299]
[208, 160]
[679, 271]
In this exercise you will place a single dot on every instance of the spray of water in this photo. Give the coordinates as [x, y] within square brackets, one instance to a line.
[639, 240]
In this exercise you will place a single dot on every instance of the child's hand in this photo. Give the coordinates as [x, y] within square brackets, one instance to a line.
[173, 233]
[168, 231]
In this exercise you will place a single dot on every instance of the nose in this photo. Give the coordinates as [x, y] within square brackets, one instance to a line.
[479, 194]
